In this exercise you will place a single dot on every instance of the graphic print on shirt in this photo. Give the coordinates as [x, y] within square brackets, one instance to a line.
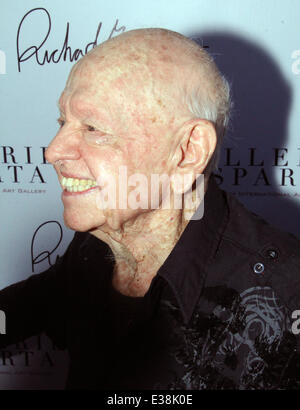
[243, 343]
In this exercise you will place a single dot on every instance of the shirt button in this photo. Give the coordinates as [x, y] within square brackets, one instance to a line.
[258, 268]
[272, 253]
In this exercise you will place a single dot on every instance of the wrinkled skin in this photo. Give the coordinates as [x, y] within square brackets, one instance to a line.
[119, 107]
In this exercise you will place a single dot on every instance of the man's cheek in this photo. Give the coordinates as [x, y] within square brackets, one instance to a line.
[138, 153]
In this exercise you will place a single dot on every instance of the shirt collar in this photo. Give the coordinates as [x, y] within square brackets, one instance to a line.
[186, 267]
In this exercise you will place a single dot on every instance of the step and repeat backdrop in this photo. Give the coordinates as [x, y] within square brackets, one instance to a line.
[256, 44]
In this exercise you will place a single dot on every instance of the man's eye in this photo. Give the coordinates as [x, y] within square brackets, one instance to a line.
[90, 128]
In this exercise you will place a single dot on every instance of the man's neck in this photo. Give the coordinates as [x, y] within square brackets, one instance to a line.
[141, 247]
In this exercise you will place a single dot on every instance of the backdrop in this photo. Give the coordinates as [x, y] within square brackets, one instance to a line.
[256, 44]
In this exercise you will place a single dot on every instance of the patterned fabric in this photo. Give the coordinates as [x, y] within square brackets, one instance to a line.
[244, 343]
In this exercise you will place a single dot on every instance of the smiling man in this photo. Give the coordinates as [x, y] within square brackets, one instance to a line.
[159, 298]
[111, 118]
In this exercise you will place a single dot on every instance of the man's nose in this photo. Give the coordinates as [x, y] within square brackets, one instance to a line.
[65, 145]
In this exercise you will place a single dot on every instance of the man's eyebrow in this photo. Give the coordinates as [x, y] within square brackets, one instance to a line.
[86, 112]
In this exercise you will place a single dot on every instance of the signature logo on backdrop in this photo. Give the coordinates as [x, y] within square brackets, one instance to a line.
[65, 52]
[38, 242]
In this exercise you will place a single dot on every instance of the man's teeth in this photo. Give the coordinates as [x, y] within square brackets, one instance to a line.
[77, 185]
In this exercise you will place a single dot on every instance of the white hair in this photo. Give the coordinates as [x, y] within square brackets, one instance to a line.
[210, 99]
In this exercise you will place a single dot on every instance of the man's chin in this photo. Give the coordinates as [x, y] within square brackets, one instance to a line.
[78, 224]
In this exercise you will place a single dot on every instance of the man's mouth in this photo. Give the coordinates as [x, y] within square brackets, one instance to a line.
[77, 185]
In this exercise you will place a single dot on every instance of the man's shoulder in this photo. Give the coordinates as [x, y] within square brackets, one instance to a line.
[255, 234]
[272, 255]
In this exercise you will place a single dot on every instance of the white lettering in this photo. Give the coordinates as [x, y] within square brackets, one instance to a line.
[296, 64]
[2, 62]
[296, 324]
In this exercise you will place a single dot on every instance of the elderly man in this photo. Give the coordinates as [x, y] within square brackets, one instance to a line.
[160, 300]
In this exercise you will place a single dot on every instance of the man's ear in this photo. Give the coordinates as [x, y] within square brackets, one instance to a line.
[197, 146]
[197, 143]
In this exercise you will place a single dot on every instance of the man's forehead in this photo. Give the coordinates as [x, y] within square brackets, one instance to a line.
[92, 85]
[80, 103]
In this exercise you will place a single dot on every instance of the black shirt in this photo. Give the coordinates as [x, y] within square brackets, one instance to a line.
[217, 315]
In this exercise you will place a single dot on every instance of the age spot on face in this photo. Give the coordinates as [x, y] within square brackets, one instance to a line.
[134, 57]
[160, 103]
